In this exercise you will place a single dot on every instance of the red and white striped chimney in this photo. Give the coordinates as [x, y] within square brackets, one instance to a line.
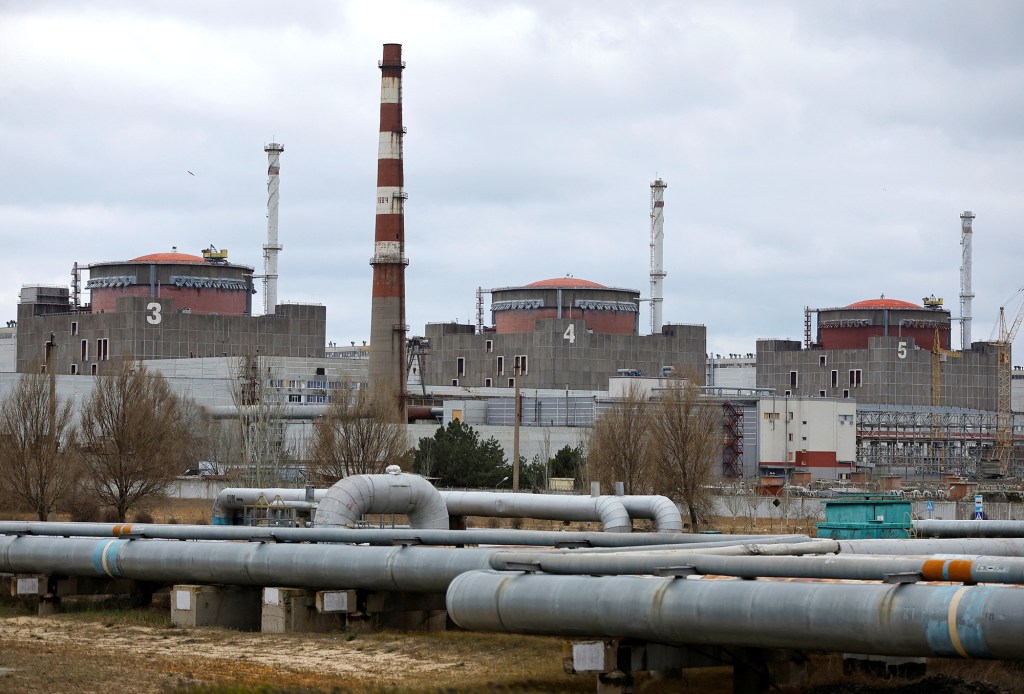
[387, 314]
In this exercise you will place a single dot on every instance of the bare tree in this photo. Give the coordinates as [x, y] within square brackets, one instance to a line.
[687, 442]
[361, 433]
[133, 437]
[259, 438]
[37, 454]
[619, 449]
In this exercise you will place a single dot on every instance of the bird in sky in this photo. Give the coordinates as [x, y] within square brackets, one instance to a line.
[191, 174]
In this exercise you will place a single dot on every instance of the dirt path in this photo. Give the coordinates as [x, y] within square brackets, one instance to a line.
[76, 653]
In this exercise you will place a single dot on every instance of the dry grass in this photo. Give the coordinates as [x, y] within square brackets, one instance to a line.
[89, 651]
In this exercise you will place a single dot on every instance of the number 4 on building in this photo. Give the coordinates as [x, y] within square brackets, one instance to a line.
[570, 333]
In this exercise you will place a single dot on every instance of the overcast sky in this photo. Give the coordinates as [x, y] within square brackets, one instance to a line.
[816, 153]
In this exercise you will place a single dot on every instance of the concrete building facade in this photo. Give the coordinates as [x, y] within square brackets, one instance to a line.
[889, 370]
[154, 328]
[557, 353]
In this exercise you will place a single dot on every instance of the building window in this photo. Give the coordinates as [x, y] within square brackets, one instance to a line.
[846, 394]
[823, 360]
[455, 381]
[520, 365]
[294, 397]
[821, 393]
[835, 378]
[85, 350]
[74, 369]
[793, 380]
[74, 327]
[856, 378]
[771, 415]
[487, 383]
[460, 366]
[489, 346]
[321, 371]
[791, 437]
[93, 369]
[316, 398]
[787, 394]
[499, 366]
[103, 349]
[511, 383]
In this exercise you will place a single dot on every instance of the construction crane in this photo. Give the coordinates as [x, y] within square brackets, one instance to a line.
[1004, 414]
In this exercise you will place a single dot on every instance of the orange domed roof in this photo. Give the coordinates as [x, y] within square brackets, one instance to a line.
[883, 303]
[566, 282]
[168, 258]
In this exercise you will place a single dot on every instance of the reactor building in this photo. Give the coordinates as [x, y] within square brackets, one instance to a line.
[559, 333]
[160, 306]
[882, 352]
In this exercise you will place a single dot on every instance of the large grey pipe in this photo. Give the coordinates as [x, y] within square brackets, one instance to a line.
[395, 492]
[969, 528]
[660, 509]
[609, 510]
[999, 547]
[388, 536]
[901, 620]
[978, 569]
[414, 569]
[606, 510]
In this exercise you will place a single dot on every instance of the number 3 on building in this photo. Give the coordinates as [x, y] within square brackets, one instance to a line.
[570, 333]
[154, 317]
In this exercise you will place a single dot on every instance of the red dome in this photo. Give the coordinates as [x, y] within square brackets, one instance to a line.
[168, 258]
[883, 303]
[566, 282]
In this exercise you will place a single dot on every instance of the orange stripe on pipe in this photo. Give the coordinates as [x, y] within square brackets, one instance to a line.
[932, 570]
[959, 570]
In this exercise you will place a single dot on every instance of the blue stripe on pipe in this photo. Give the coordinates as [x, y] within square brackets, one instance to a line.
[953, 623]
[104, 558]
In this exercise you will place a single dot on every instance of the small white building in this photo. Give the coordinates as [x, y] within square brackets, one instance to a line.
[816, 435]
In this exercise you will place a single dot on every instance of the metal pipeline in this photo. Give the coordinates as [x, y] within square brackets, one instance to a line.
[613, 512]
[233, 498]
[901, 620]
[863, 568]
[973, 546]
[969, 528]
[414, 569]
[386, 536]
[394, 492]
[609, 510]
[662, 510]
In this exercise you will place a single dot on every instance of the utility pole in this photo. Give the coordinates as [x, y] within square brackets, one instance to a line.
[515, 437]
[51, 345]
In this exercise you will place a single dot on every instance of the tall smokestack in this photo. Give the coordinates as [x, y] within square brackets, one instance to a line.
[272, 247]
[657, 251]
[966, 232]
[387, 313]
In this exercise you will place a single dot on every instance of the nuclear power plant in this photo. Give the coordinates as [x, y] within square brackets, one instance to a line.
[873, 396]
[923, 409]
